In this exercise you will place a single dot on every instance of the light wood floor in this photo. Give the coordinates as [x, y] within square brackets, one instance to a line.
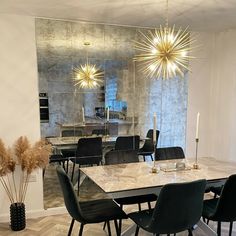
[59, 225]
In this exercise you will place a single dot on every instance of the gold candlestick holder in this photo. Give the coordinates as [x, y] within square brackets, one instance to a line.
[107, 129]
[154, 168]
[195, 165]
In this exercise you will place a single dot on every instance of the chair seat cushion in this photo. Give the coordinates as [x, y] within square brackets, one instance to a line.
[87, 160]
[216, 190]
[209, 208]
[57, 158]
[101, 210]
[144, 152]
[141, 218]
[136, 199]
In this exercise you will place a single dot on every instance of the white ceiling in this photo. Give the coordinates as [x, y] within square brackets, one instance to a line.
[207, 15]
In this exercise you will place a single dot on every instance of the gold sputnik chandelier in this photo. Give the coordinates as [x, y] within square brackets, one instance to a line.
[164, 53]
[88, 75]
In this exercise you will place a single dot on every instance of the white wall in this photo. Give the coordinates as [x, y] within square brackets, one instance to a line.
[223, 97]
[19, 94]
[212, 92]
[199, 95]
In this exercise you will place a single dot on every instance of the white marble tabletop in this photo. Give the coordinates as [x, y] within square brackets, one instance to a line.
[134, 176]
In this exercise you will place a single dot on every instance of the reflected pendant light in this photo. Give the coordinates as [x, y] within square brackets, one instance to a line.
[164, 52]
[88, 75]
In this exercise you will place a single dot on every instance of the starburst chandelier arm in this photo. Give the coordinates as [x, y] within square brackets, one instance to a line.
[140, 45]
[144, 46]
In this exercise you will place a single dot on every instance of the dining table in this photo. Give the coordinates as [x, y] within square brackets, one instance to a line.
[62, 143]
[133, 179]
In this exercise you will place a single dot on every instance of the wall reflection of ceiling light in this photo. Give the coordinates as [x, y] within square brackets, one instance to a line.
[164, 52]
[88, 75]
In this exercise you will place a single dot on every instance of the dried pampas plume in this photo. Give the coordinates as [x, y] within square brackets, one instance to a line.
[28, 158]
[21, 145]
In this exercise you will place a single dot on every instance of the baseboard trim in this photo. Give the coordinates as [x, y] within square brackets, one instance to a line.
[37, 213]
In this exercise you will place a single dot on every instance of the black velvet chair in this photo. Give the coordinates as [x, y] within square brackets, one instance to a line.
[127, 143]
[88, 152]
[90, 212]
[222, 209]
[178, 208]
[148, 147]
[128, 156]
[68, 153]
[169, 153]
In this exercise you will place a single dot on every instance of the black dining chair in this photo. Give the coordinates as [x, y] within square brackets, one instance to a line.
[88, 212]
[178, 208]
[168, 153]
[128, 156]
[127, 143]
[148, 147]
[69, 152]
[88, 152]
[222, 209]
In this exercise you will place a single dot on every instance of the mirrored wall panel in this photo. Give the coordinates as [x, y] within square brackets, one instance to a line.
[121, 102]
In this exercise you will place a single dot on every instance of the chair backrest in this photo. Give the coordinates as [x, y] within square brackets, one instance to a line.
[226, 207]
[121, 156]
[148, 144]
[127, 142]
[178, 207]
[70, 133]
[89, 151]
[70, 198]
[169, 153]
[89, 147]
[100, 131]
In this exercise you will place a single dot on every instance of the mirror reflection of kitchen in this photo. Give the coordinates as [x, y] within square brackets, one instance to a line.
[64, 51]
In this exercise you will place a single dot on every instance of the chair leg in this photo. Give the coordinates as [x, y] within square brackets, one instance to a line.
[120, 221]
[81, 229]
[230, 228]
[118, 231]
[73, 170]
[67, 166]
[136, 231]
[78, 182]
[144, 158]
[109, 228]
[139, 207]
[219, 228]
[149, 206]
[151, 157]
[71, 226]
[190, 233]
[104, 225]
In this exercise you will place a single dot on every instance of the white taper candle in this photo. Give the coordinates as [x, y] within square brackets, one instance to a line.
[197, 125]
[154, 127]
[83, 117]
[108, 113]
